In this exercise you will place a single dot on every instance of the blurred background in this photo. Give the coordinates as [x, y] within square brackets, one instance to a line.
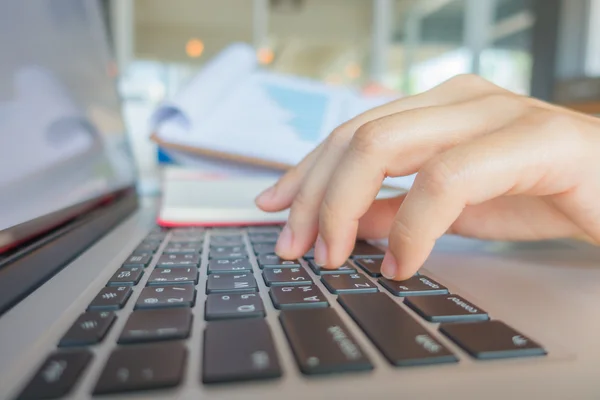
[549, 49]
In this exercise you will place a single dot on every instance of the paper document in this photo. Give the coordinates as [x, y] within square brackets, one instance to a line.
[233, 107]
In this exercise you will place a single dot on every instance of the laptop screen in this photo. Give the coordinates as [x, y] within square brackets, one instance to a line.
[62, 139]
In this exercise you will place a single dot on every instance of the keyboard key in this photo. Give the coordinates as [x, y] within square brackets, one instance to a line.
[230, 240]
[346, 268]
[149, 247]
[183, 248]
[372, 266]
[445, 308]
[239, 351]
[401, 339]
[156, 236]
[286, 276]
[491, 339]
[57, 375]
[126, 276]
[111, 298]
[173, 276]
[274, 261]
[152, 325]
[90, 328]
[228, 253]
[264, 229]
[264, 248]
[178, 260]
[194, 240]
[167, 296]
[418, 285]
[138, 260]
[234, 305]
[348, 283]
[363, 249]
[143, 367]
[291, 297]
[321, 342]
[230, 283]
[225, 266]
[263, 238]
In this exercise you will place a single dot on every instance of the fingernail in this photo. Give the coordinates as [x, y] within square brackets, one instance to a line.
[265, 195]
[320, 251]
[285, 240]
[389, 267]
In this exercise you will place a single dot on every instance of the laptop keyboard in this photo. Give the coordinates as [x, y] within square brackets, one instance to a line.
[151, 351]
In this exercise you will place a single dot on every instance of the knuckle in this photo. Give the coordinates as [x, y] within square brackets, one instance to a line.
[438, 176]
[501, 99]
[340, 135]
[468, 81]
[369, 138]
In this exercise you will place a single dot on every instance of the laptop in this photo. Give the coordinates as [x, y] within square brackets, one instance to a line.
[97, 300]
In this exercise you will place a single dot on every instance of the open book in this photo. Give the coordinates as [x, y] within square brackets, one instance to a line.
[233, 112]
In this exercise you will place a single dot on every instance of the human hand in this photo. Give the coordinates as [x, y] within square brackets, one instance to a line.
[490, 164]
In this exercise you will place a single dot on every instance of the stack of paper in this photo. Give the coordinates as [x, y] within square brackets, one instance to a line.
[237, 119]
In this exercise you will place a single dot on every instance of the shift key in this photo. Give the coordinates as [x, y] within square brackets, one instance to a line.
[321, 342]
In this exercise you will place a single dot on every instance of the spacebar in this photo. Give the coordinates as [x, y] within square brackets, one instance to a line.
[321, 342]
[401, 339]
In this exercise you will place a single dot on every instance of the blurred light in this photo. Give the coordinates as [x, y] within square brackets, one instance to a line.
[194, 48]
[265, 55]
[353, 71]
[333, 79]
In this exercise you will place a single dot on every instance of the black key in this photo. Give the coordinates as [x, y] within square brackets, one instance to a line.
[186, 240]
[224, 249]
[173, 276]
[178, 260]
[57, 375]
[346, 268]
[167, 296]
[274, 261]
[155, 237]
[231, 240]
[90, 328]
[321, 342]
[150, 247]
[126, 276]
[418, 285]
[491, 339]
[143, 367]
[234, 305]
[263, 238]
[401, 339]
[363, 249]
[445, 308]
[348, 283]
[226, 254]
[286, 276]
[239, 351]
[138, 260]
[291, 297]
[372, 266]
[111, 298]
[230, 283]
[183, 248]
[264, 248]
[189, 231]
[152, 325]
[225, 266]
[264, 229]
